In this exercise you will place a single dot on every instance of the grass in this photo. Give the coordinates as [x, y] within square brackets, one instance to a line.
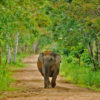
[5, 79]
[81, 75]
[6, 72]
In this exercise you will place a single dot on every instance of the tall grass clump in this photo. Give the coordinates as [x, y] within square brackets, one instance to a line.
[81, 75]
[5, 79]
[6, 71]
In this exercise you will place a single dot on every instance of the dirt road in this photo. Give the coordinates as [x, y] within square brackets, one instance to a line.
[30, 82]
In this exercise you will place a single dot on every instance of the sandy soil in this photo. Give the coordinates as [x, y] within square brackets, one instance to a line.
[30, 84]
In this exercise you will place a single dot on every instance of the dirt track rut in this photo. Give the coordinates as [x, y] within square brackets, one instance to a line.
[30, 82]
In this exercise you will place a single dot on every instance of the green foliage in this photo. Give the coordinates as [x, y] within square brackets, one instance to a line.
[6, 72]
[81, 75]
[45, 41]
[85, 58]
[5, 79]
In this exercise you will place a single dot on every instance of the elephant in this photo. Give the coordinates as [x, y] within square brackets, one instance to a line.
[49, 64]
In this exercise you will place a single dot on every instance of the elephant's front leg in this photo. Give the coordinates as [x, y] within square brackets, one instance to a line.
[53, 82]
[54, 77]
[46, 76]
[46, 82]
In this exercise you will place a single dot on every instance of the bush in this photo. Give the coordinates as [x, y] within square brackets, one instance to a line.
[81, 75]
[6, 72]
[5, 79]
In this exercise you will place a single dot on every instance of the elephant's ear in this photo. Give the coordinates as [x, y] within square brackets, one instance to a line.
[40, 58]
[58, 58]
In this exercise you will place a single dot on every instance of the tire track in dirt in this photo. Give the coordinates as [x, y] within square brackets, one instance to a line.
[30, 84]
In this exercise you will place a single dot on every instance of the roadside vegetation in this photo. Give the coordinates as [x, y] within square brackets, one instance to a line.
[82, 75]
[6, 72]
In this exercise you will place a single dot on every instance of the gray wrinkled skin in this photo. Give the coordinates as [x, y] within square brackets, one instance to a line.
[50, 65]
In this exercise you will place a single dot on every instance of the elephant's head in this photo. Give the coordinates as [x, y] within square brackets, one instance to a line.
[49, 58]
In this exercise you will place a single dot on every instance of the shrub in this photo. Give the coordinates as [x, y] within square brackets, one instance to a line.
[80, 75]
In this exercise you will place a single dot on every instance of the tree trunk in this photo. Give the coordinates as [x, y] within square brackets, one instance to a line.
[29, 50]
[35, 47]
[25, 46]
[91, 55]
[94, 48]
[98, 51]
[16, 46]
[9, 56]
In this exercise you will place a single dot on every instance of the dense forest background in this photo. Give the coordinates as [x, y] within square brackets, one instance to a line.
[68, 27]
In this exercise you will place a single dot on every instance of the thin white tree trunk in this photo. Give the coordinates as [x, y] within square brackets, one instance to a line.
[9, 56]
[16, 46]
[35, 47]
